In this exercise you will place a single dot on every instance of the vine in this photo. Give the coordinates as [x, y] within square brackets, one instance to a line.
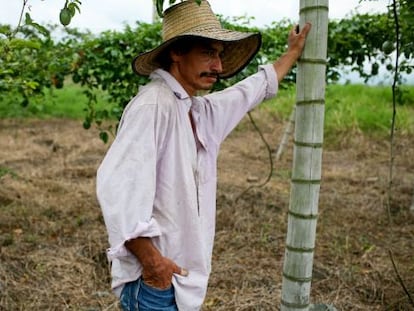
[20, 18]
[269, 152]
[395, 90]
[396, 96]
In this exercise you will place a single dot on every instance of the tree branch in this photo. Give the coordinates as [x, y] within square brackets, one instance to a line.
[400, 279]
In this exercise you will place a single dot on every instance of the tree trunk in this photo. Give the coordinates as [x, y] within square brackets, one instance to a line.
[307, 159]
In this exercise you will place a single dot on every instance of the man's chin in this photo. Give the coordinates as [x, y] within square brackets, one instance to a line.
[205, 89]
[208, 84]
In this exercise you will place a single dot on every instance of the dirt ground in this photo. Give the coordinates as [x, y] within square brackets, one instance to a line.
[53, 240]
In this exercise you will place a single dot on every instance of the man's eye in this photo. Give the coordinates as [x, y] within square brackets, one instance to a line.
[209, 53]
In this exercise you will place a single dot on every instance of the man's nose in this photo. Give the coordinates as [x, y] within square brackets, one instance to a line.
[217, 64]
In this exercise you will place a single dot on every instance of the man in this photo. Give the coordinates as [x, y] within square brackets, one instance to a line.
[157, 183]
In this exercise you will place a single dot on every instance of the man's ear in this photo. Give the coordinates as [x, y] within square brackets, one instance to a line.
[175, 56]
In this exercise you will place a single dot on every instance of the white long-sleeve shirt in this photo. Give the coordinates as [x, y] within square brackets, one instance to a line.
[158, 178]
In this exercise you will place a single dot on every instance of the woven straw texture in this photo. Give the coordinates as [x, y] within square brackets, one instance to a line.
[190, 19]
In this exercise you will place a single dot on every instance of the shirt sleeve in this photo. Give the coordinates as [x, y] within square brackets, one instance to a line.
[226, 108]
[126, 180]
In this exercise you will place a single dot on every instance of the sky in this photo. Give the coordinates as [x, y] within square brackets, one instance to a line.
[101, 15]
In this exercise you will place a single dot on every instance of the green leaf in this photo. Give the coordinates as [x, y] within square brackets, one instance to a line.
[103, 135]
[43, 30]
[159, 5]
[86, 124]
[74, 6]
[28, 20]
[33, 85]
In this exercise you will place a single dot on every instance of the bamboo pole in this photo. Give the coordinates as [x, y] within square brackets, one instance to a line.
[307, 159]
[286, 133]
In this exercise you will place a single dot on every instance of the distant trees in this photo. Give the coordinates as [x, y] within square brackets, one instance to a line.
[371, 37]
[31, 60]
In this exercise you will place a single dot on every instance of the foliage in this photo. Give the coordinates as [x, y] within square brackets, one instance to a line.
[371, 37]
[103, 64]
[31, 61]
[406, 20]
[353, 41]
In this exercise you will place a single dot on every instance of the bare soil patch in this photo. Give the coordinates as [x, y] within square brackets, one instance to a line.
[53, 240]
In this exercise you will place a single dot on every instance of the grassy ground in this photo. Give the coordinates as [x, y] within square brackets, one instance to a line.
[53, 239]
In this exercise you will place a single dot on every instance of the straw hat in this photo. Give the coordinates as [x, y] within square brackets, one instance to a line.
[188, 19]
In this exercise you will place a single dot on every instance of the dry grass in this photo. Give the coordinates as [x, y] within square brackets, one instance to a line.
[53, 241]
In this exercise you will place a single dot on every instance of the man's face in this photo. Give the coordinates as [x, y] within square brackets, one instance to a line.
[199, 68]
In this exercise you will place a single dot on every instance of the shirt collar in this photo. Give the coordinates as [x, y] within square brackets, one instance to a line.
[190, 102]
[171, 82]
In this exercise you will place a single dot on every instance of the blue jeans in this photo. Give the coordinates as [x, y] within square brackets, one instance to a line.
[138, 296]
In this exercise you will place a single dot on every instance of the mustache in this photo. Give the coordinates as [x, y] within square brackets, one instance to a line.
[210, 74]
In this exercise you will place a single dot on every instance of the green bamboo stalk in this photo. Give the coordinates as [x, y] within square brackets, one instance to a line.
[307, 159]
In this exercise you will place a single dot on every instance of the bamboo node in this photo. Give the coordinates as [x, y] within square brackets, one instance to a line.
[303, 216]
[314, 8]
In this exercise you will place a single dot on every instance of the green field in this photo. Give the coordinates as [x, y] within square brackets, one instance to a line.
[68, 102]
[366, 109]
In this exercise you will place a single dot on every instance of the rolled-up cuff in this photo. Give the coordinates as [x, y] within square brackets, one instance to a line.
[272, 81]
[143, 229]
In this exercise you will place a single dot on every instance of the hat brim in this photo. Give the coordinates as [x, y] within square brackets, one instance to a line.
[239, 50]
